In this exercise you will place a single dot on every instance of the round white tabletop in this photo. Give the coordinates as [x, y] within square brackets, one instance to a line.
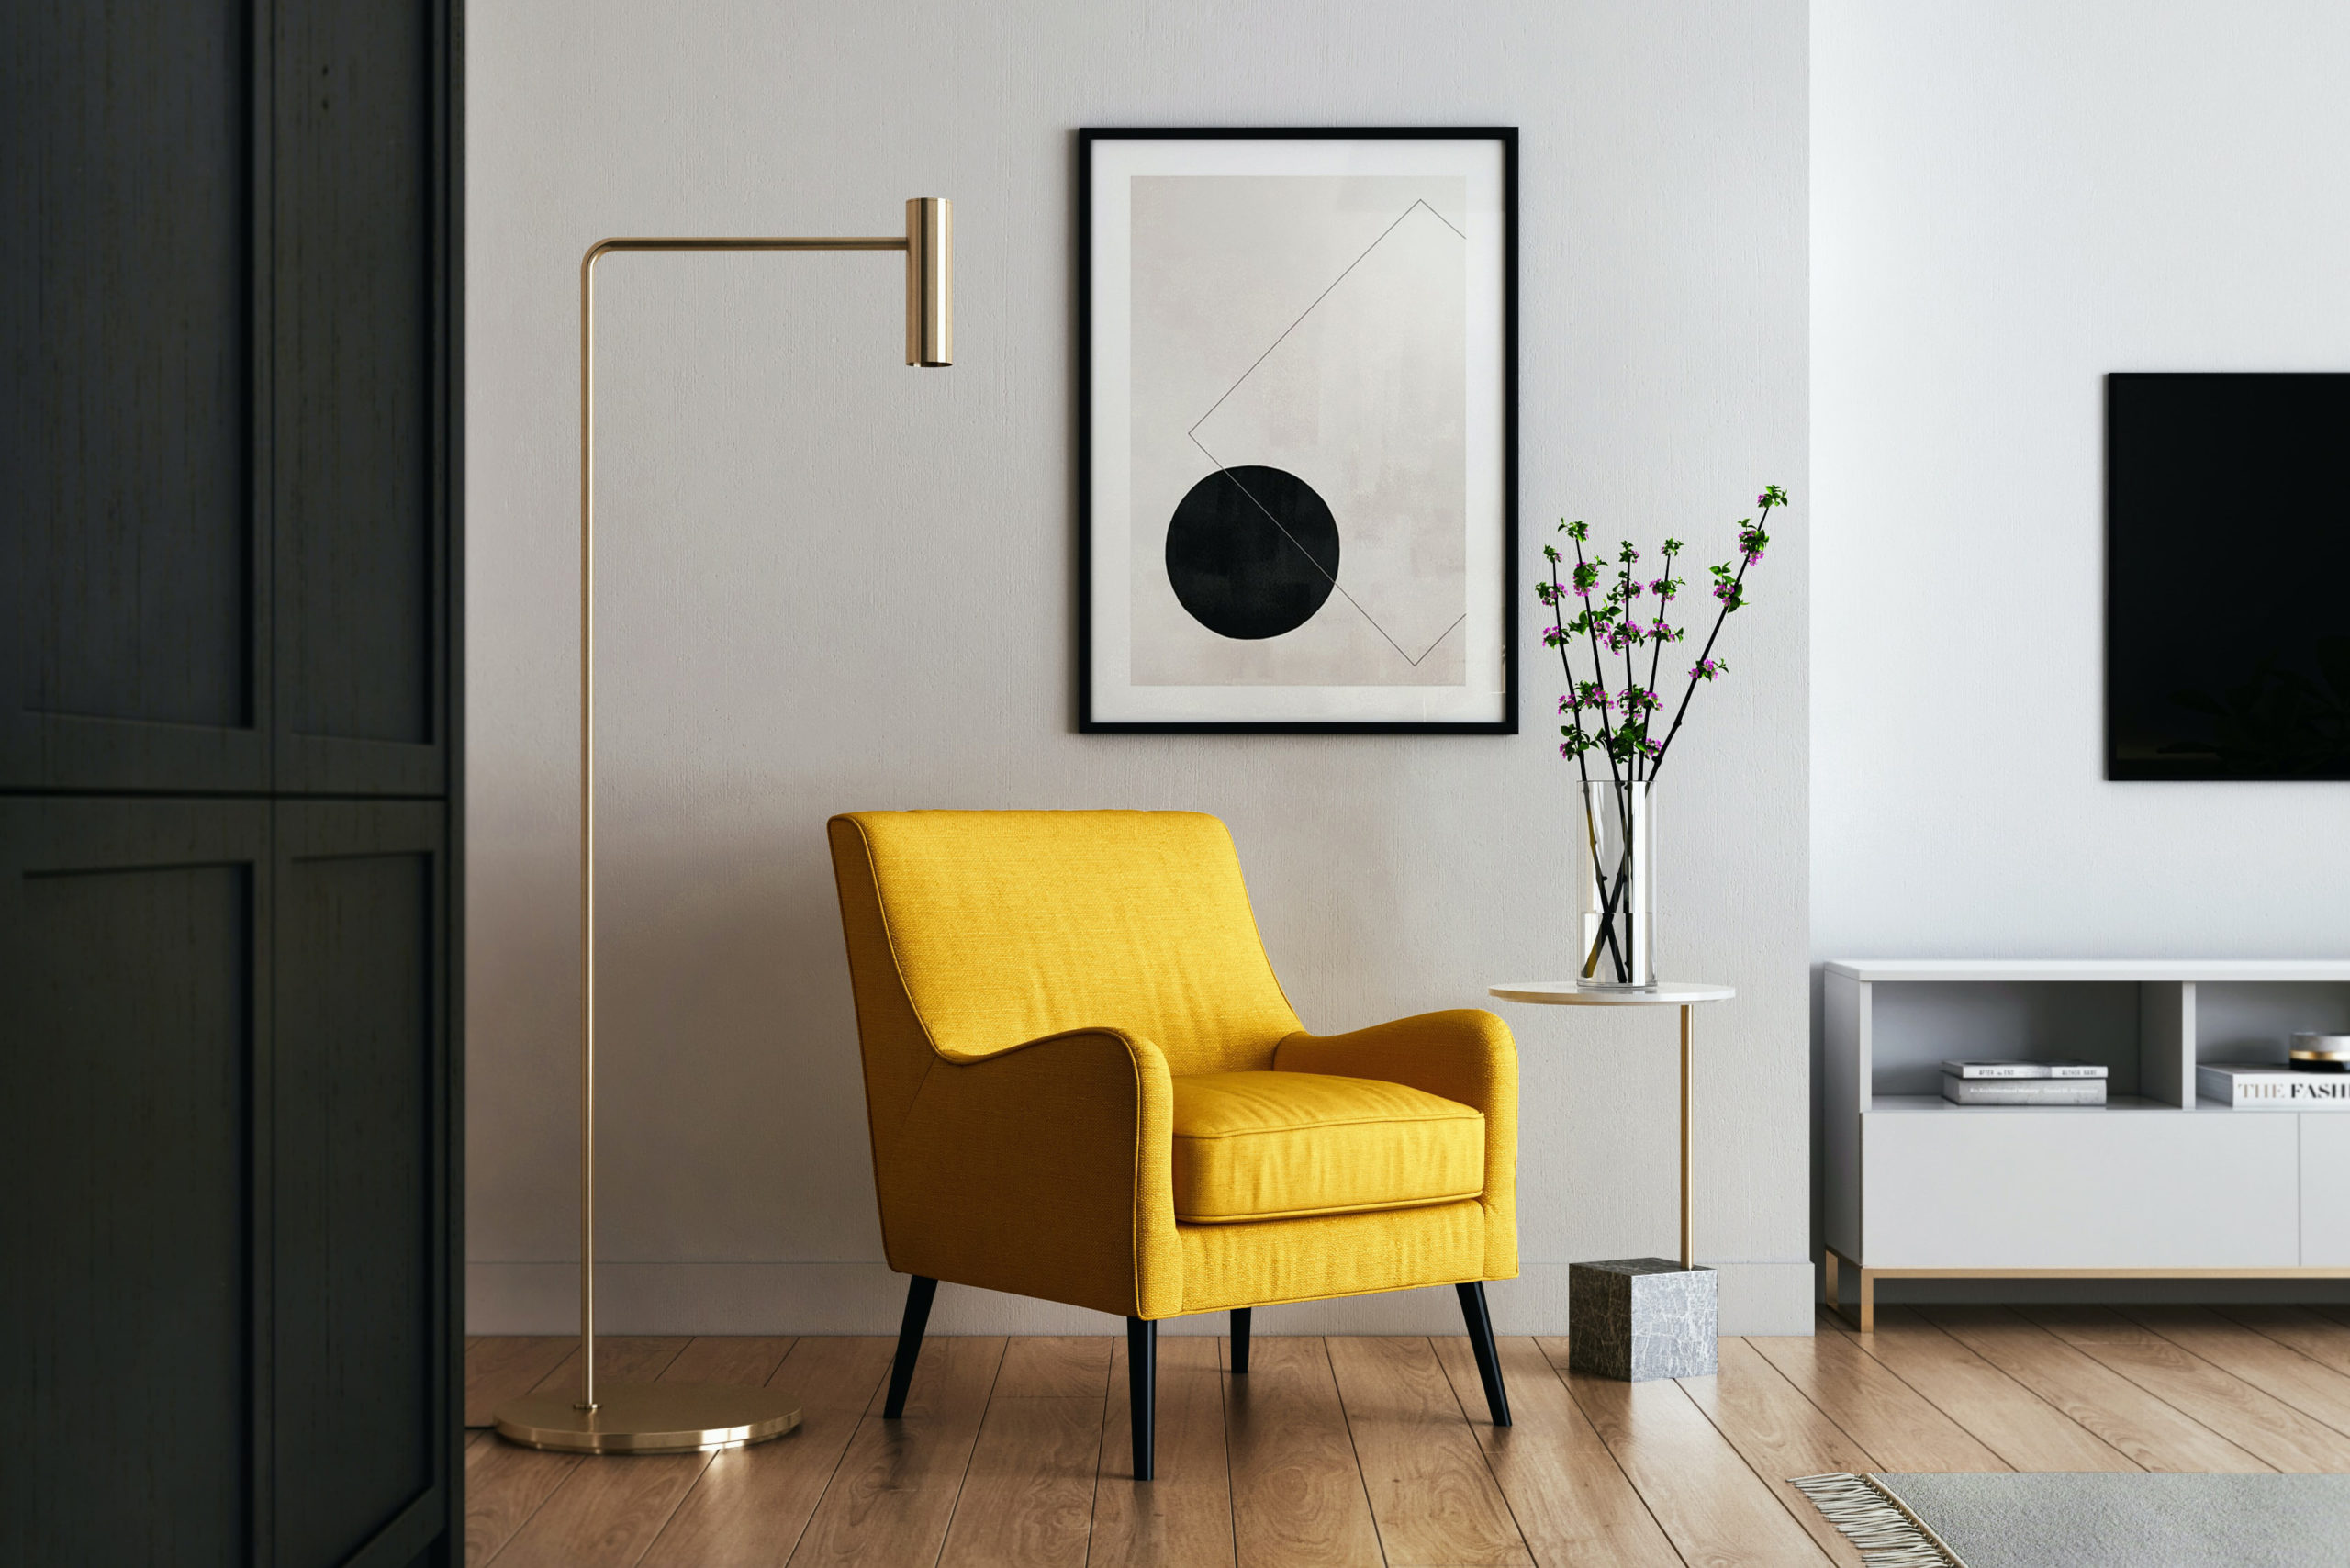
[1563, 993]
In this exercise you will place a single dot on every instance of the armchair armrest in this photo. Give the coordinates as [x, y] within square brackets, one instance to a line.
[1465, 1054]
[1042, 1170]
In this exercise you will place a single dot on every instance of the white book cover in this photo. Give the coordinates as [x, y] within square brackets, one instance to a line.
[2022, 1091]
[2009, 1067]
[2271, 1086]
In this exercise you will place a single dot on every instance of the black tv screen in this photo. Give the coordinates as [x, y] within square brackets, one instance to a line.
[2227, 610]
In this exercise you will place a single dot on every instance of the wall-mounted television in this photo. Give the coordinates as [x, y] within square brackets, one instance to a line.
[2227, 603]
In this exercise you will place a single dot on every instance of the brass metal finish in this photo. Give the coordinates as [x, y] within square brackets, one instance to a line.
[1667, 993]
[1688, 1226]
[650, 1417]
[1864, 1319]
[929, 283]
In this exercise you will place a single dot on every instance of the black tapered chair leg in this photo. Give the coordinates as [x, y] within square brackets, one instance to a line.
[1141, 1393]
[1240, 1339]
[1481, 1341]
[921, 1290]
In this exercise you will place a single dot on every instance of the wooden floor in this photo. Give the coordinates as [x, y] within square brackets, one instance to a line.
[1364, 1451]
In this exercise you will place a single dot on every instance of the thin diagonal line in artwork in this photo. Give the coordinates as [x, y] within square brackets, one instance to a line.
[1317, 566]
[1318, 300]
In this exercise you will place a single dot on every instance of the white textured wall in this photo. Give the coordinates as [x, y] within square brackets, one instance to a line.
[831, 582]
[2009, 199]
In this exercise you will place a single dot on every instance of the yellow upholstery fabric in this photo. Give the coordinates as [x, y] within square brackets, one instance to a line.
[1284, 1145]
[1266, 1262]
[1032, 986]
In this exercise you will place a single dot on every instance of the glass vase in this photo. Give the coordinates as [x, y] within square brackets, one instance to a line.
[1614, 886]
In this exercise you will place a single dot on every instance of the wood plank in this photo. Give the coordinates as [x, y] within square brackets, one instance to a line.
[619, 1357]
[1569, 1498]
[2278, 1371]
[1028, 1501]
[2256, 1422]
[1780, 1434]
[608, 1511]
[1297, 1493]
[2318, 1338]
[1716, 1512]
[1433, 1499]
[507, 1366]
[743, 1360]
[1881, 1413]
[1028, 1496]
[751, 1505]
[1056, 1366]
[2010, 1419]
[1184, 1519]
[2101, 1400]
[506, 1484]
[894, 1493]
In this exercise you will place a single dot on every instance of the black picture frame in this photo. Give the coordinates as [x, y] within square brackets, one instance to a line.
[1087, 722]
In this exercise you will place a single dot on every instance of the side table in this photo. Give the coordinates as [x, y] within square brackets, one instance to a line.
[1637, 1318]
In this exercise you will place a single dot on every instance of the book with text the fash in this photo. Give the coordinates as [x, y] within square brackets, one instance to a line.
[2270, 1086]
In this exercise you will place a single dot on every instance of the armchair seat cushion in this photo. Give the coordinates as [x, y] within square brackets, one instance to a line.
[1259, 1146]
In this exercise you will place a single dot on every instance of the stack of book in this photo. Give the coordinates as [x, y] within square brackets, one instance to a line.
[2023, 1082]
[2271, 1086]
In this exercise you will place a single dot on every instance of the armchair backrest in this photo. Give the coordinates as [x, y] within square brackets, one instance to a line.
[972, 932]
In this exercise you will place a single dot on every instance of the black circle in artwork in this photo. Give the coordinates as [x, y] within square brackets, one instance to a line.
[1252, 552]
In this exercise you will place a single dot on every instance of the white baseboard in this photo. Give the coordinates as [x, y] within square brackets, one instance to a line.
[866, 1298]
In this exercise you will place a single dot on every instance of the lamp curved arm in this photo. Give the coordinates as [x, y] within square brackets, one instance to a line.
[928, 244]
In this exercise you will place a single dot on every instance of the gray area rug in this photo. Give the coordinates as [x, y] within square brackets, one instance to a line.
[2089, 1520]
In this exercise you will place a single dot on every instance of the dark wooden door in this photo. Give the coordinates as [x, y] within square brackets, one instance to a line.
[229, 827]
[133, 537]
[134, 965]
[361, 1414]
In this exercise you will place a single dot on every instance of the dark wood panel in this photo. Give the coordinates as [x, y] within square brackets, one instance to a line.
[227, 288]
[130, 577]
[360, 1197]
[359, 512]
[131, 959]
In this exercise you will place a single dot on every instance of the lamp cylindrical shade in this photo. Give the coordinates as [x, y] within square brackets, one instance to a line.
[930, 281]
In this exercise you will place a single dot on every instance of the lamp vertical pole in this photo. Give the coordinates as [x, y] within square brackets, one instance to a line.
[586, 832]
[680, 1417]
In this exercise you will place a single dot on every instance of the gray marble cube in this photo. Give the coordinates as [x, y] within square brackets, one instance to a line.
[1637, 1318]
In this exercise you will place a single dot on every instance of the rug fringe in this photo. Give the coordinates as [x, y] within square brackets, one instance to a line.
[1886, 1533]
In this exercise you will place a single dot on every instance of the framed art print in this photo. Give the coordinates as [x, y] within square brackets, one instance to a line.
[1297, 438]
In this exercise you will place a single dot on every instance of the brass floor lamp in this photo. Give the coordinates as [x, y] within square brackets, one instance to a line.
[681, 1417]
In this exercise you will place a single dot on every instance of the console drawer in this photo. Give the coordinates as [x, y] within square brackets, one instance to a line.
[2103, 1188]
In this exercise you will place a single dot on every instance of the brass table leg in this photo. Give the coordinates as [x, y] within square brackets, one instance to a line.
[1862, 1317]
[1688, 1240]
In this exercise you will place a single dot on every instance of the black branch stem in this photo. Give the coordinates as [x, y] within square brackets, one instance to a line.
[1616, 773]
[1659, 633]
[1737, 584]
[1606, 937]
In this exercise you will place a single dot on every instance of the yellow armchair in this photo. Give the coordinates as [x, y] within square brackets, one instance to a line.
[1084, 1084]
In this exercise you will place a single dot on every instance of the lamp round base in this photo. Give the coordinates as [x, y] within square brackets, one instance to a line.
[649, 1418]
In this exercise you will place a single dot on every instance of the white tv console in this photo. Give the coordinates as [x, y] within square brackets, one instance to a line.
[2149, 1185]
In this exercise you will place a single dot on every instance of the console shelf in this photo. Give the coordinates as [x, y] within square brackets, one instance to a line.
[2154, 1184]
